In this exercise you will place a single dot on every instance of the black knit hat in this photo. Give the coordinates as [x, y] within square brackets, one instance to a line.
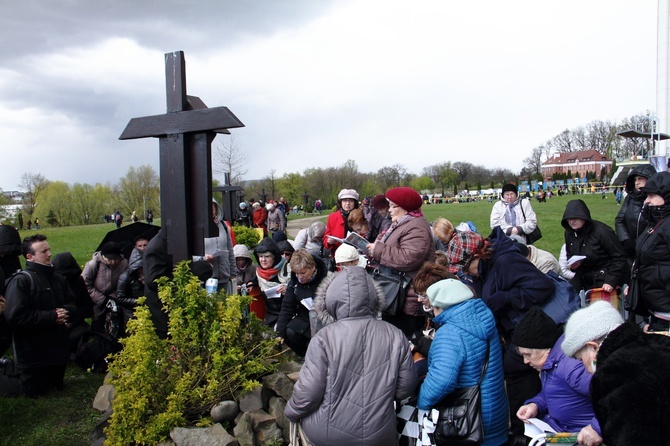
[536, 330]
[509, 187]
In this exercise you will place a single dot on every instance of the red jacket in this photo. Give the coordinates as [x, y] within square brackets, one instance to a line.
[334, 226]
[259, 216]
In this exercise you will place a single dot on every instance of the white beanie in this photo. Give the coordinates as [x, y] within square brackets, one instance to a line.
[270, 207]
[241, 250]
[589, 324]
[448, 292]
[346, 253]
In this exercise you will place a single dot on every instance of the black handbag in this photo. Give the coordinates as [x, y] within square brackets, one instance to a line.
[460, 415]
[535, 234]
[631, 299]
[393, 286]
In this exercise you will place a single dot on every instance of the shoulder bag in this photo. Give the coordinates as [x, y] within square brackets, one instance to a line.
[630, 300]
[393, 285]
[459, 420]
[536, 234]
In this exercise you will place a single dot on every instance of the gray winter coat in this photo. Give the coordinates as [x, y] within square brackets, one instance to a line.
[354, 368]
[221, 247]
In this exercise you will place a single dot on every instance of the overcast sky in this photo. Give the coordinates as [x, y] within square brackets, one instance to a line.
[316, 83]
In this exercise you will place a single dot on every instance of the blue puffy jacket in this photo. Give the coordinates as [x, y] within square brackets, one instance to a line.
[455, 361]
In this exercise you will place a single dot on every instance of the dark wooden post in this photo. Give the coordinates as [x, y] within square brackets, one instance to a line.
[185, 136]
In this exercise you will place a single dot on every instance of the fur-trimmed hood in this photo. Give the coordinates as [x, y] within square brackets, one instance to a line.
[353, 294]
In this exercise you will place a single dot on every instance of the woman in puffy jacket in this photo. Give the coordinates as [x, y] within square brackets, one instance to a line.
[466, 331]
[629, 222]
[355, 367]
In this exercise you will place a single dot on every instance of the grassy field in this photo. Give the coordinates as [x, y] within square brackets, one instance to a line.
[67, 417]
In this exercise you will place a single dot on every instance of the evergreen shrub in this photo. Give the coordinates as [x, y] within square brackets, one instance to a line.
[213, 350]
[246, 236]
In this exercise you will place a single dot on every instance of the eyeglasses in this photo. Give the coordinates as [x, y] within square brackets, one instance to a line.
[287, 253]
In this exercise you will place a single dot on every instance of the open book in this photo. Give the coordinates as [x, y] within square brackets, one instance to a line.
[354, 240]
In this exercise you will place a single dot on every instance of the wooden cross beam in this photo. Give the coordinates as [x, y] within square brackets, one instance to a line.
[185, 136]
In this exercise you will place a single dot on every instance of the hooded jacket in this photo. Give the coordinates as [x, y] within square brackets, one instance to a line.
[66, 265]
[629, 222]
[354, 369]
[509, 284]
[295, 293]
[455, 361]
[605, 260]
[653, 253]
[272, 305]
[221, 247]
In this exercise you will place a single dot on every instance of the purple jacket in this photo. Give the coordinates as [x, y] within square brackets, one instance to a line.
[565, 402]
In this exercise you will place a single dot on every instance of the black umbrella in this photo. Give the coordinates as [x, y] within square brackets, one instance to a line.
[126, 236]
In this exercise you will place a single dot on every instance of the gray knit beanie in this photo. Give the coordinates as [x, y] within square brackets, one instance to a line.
[589, 324]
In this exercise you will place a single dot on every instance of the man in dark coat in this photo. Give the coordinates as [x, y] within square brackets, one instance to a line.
[604, 265]
[40, 306]
[629, 223]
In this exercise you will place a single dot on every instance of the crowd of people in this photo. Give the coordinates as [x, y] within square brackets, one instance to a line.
[467, 302]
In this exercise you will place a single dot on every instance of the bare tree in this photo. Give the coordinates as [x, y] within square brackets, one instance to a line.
[230, 159]
[34, 185]
[563, 142]
[534, 161]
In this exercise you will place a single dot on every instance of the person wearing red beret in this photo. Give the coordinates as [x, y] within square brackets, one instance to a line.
[404, 247]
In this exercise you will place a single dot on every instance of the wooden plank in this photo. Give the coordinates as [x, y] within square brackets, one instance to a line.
[181, 122]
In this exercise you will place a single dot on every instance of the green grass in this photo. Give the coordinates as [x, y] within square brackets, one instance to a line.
[549, 216]
[67, 417]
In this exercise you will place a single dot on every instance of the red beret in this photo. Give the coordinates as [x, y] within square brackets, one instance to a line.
[405, 197]
[379, 202]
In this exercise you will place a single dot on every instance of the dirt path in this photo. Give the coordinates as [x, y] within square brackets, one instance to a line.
[293, 226]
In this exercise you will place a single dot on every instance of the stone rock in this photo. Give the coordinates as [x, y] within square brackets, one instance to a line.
[289, 367]
[268, 434]
[103, 399]
[214, 435]
[98, 435]
[224, 411]
[276, 408]
[254, 400]
[167, 442]
[293, 376]
[244, 431]
[279, 384]
[260, 419]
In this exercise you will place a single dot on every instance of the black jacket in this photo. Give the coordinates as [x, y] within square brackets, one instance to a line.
[605, 260]
[295, 293]
[630, 390]
[130, 288]
[629, 223]
[66, 265]
[653, 253]
[31, 313]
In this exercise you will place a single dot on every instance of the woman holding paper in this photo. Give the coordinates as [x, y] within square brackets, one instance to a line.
[338, 224]
[293, 327]
[604, 264]
[405, 246]
[564, 402]
[270, 278]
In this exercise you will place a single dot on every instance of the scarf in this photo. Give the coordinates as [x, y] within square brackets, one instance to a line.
[510, 213]
[269, 273]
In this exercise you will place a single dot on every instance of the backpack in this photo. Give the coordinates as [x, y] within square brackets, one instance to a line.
[93, 350]
[565, 300]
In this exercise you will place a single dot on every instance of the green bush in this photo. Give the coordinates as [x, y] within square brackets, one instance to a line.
[246, 236]
[212, 352]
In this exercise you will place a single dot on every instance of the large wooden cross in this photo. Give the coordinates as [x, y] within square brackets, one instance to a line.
[185, 134]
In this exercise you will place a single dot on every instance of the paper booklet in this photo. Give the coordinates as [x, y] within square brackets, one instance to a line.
[535, 427]
[354, 240]
[574, 259]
